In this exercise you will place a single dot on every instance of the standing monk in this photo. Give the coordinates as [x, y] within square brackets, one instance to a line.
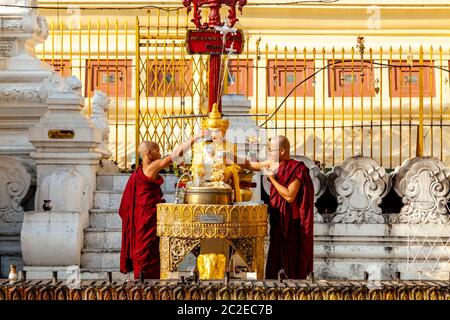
[291, 212]
[140, 245]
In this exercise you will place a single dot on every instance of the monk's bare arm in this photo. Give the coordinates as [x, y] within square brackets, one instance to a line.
[253, 166]
[289, 193]
[158, 165]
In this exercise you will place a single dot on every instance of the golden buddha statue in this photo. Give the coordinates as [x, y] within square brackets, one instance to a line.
[214, 181]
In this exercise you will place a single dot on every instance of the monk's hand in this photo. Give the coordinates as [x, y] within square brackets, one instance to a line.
[200, 134]
[273, 165]
[267, 171]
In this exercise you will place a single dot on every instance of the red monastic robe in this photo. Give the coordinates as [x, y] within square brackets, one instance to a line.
[140, 245]
[291, 224]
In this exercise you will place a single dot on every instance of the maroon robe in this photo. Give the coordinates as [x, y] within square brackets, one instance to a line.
[140, 245]
[291, 224]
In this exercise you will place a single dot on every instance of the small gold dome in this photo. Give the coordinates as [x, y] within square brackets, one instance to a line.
[215, 121]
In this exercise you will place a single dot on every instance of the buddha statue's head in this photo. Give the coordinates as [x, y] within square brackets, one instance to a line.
[215, 124]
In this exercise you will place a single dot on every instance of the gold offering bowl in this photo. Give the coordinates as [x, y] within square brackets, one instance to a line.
[181, 227]
[208, 195]
[245, 182]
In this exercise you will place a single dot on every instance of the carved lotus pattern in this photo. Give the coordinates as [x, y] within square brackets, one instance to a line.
[423, 183]
[359, 185]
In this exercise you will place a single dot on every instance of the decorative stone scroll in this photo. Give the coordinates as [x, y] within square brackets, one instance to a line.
[21, 95]
[21, 27]
[100, 106]
[423, 184]
[6, 46]
[359, 184]
[57, 84]
[15, 180]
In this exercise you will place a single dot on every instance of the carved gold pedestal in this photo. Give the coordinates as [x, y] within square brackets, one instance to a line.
[182, 226]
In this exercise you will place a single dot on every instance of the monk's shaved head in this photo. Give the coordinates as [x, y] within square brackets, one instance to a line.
[281, 142]
[279, 148]
[146, 145]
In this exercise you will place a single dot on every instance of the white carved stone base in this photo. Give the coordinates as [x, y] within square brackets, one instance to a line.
[66, 158]
[22, 100]
[52, 238]
[17, 182]
[359, 184]
[423, 183]
[346, 251]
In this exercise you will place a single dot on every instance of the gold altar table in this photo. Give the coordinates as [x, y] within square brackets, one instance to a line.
[181, 227]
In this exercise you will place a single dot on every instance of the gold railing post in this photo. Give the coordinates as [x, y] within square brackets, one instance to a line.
[314, 105]
[381, 107]
[440, 104]
[117, 89]
[400, 126]
[419, 150]
[295, 101]
[266, 108]
[332, 89]
[89, 70]
[304, 100]
[137, 98]
[390, 111]
[323, 104]
[256, 89]
[285, 90]
[432, 85]
[126, 95]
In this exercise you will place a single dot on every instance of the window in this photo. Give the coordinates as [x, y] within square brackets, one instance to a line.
[240, 74]
[404, 80]
[343, 77]
[106, 75]
[284, 75]
[60, 66]
[167, 78]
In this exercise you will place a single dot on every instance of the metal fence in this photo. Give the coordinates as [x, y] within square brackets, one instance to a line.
[386, 103]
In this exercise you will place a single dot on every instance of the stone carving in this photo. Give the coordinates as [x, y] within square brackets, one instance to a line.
[423, 184]
[55, 84]
[6, 46]
[19, 95]
[21, 2]
[21, 27]
[16, 177]
[72, 84]
[359, 184]
[50, 85]
[41, 27]
[7, 24]
[100, 106]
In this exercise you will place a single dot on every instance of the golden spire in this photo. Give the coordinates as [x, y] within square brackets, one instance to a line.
[215, 121]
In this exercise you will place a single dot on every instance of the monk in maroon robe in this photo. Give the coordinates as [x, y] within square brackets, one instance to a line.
[291, 212]
[140, 245]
